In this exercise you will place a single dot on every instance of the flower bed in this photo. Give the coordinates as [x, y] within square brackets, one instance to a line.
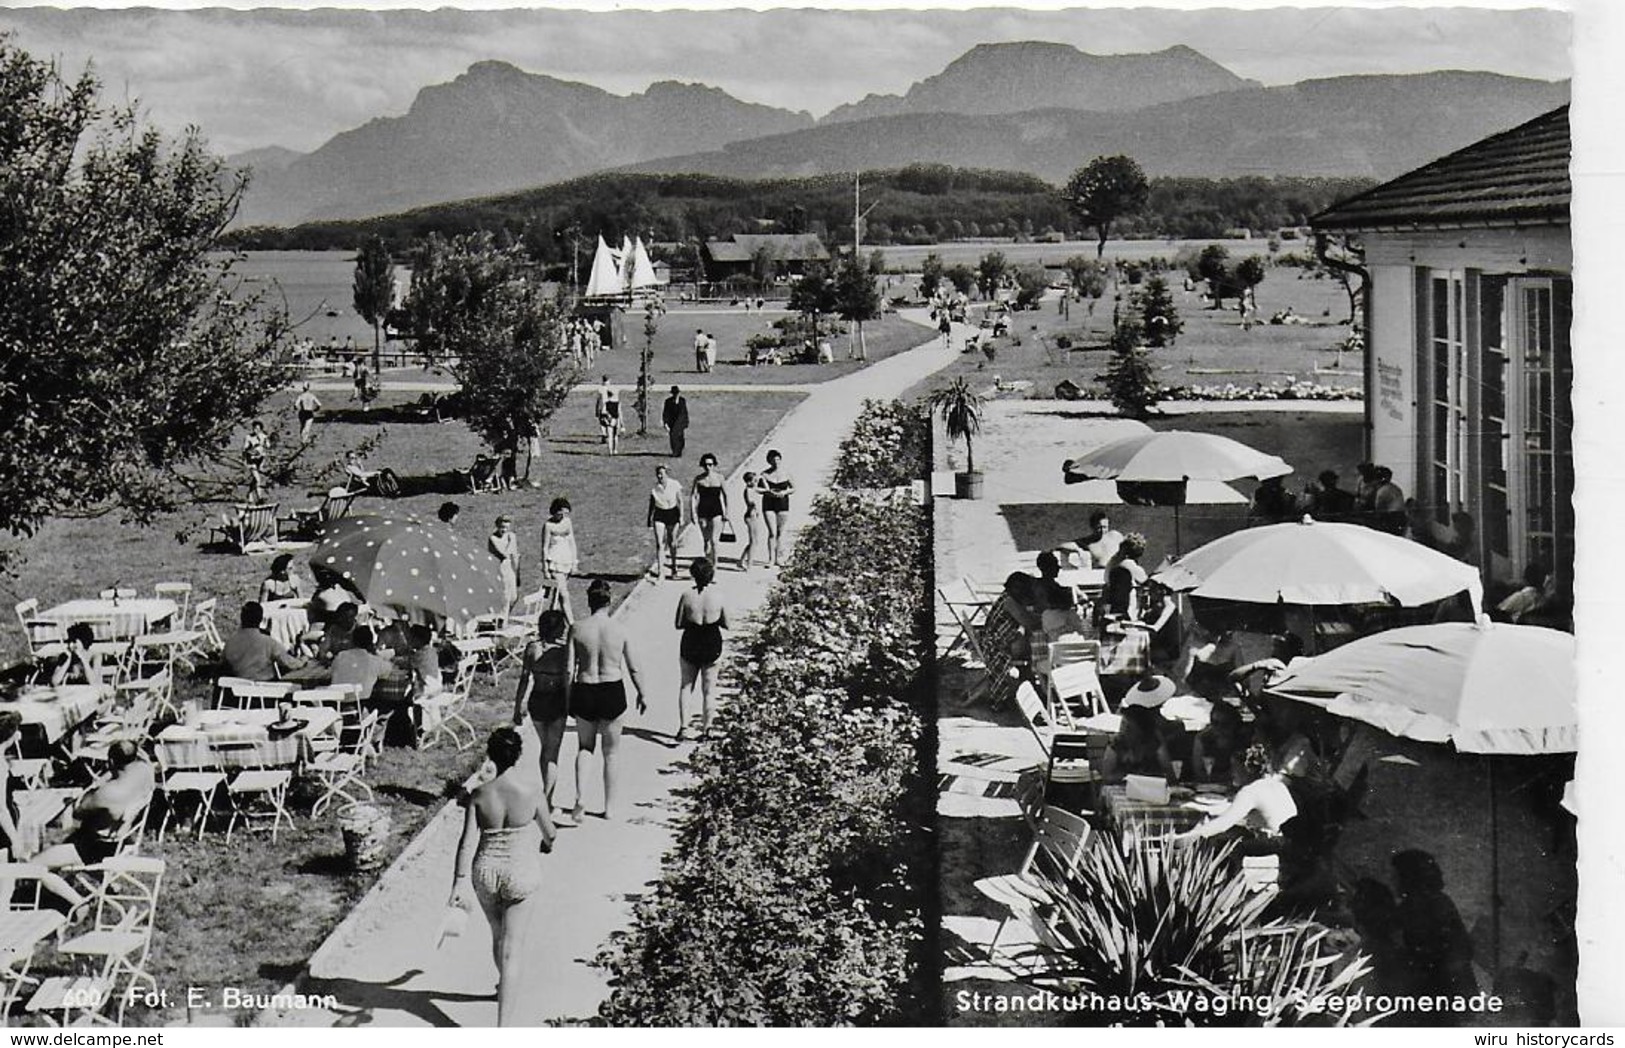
[794, 893]
[1298, 390]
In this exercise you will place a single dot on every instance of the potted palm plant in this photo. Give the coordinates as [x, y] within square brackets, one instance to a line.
[961, 409]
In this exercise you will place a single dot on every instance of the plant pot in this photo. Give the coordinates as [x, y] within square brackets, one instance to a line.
[968, 485]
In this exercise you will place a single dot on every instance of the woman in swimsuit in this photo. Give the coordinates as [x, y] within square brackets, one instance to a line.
[665, 517]
[776, 487]
[753, 522]
[508, 819]
[560, 558]
[544, 689]
[702, 618]
[710, 503]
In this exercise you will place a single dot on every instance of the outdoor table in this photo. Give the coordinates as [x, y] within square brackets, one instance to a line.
[311, 675]
[286, 621]
[1086, 583]
[115, 619]
[1150, 820]
[22, 930]
[229, 739]
[55, 712]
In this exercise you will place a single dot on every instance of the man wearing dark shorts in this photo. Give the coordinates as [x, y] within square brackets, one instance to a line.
[603, 659]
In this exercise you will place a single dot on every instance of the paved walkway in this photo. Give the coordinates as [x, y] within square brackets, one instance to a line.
[381, 963]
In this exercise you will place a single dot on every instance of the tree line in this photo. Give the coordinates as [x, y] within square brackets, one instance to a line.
[922, 203]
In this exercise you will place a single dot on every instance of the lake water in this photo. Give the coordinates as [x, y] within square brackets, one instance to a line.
[316, 286]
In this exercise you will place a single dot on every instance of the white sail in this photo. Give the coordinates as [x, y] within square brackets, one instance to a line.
[640, 271]
[605, 280]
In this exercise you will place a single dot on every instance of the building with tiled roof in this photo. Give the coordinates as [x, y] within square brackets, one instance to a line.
[1468, 363]
[791, 252]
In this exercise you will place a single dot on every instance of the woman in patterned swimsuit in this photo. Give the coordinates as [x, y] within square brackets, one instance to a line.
[508, 819]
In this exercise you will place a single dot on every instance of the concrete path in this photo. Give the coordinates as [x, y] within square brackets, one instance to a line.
[381, 963]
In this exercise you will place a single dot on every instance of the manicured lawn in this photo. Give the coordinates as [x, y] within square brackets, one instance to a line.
[1213, 350]
[907, 258]
[249, 915]
[731, 326]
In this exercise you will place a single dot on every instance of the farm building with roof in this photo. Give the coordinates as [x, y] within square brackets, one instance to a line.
[790, 253]
[1468, 362]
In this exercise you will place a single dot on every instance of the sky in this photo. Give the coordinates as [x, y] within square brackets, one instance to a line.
[294, 78]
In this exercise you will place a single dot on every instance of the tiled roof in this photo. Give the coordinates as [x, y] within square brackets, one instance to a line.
[786, 247]
[1517, 177]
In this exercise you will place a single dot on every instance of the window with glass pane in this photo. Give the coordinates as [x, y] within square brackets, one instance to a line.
[1447, 395]
[1539, 427]
[1494, 432]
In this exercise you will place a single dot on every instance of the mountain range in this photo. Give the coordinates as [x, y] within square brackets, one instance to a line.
[1040, 108]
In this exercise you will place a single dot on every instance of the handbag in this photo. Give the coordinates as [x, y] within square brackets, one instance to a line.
[727, 534]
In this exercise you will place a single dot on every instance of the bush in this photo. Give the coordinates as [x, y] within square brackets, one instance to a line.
[793, 896]
[1131, 379]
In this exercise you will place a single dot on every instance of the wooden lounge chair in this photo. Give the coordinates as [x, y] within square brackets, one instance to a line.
[248, 528]
[1060, 841]
[302, 523]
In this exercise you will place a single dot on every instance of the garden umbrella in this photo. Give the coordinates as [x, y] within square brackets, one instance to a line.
[1482, 687]
[402, 562]
[1156, 467]
[1314, 562]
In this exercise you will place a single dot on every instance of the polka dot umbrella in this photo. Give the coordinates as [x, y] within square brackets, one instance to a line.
[401, 562]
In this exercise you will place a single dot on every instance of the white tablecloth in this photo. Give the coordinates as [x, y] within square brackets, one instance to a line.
[286, 621]
[121, 620]
[58, 711]
[242, 738]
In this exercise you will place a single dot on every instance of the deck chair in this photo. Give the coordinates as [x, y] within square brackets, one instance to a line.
[248, 528]
[1060, 842]
[112, 954]
[46, 638]
[29, 921]
[303, 523]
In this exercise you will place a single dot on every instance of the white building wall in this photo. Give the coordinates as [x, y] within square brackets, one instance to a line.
[1391, 410]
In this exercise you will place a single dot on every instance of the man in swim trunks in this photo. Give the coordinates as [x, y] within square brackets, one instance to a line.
[603, 659]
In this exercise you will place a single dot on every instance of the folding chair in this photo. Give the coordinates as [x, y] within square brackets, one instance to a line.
[484, 650]
[24, 923]
[131, 723]
[248, 528]
[180, 593]
[210, 643]
[1060, 842]
[113, 953]
[442, 713]
[1070, 755]
[258, 791]
[236, 693]
[305, 522]
[46, 637]
[35, 772]
[339, 773]
[510, 638]
[176, 782]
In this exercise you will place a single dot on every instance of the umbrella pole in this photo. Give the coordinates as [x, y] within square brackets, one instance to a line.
[1177, 549]
[1495, 876]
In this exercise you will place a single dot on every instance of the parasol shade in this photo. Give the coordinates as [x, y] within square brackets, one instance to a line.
[1314, 562]
[401, 562]
[1173, 455]
[1485, 687]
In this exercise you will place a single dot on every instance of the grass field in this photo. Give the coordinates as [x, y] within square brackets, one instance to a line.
[907, 258]
[249, 915]
[1212, 350]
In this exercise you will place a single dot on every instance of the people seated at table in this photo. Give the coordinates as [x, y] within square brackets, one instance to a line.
[1536, 592]
[252, 654]
[1273, 503]
[281, 583]
[1141, 746]
[1159, 619]
[102, 816]
[361, 664]
[1097, 548]
[1055, 603]
[335, 632]
[1124, 576]
[1324, 500]
[1022, 601]
[1210, 667]
[17, 840]
[79, 664]
[1258, 811]
[1217, 750]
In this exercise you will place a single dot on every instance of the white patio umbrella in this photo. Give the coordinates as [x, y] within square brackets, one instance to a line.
[1489, 688]
[1314, 562]
[1157, 467]
[1482, 687]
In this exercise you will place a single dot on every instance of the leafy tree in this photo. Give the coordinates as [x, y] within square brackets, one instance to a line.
[1344, 256]
[1213, 266]
[1157, 314]
[962, 277]
[1109, 188]
[1088, 278]
[990, 272]
[931, 272]
[494, 329]
[1249, 274]
[1031, 280]
[877, 262]
[1131, 377]
[373, 291]
[763, 266]
[856, 300]
[813, 295]
[128, 352]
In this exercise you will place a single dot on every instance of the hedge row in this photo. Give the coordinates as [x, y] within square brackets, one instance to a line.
[794, 893]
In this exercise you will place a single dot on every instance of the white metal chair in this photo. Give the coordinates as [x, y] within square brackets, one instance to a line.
[45, 637]
[443, 713]
[339, 773]
[180, 593]
[118, 593]
[35, 772]
[211, 643]
[177, 782]
[28, 924]
[255, 792]
[113, 952]
[237, 693]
